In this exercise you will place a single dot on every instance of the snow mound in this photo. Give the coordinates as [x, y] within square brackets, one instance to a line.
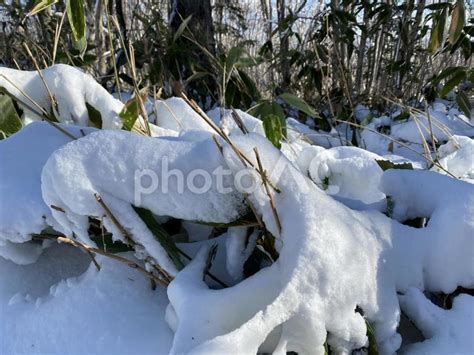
[176, 115]
[23, 155]
[114, 309]
[70, 87]
[446, 331]
[333, 260]
[443, 125]
[348, 172]
[124, 169]
[457, 157]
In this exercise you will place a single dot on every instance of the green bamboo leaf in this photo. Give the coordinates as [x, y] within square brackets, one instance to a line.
[161, 235]
[273, 129]
[181, 28]
[387, 164]
[9, 120]
[234, 56]
[457, 21]
[372, 349]
[446, 73]
[437, 31]
[405, 115]
[77, 18]
[464, 104]
[105, 242]
[80, 46]
[455, 80]
[299, 104]
[95, 118]
[131, 111]
[33, 7]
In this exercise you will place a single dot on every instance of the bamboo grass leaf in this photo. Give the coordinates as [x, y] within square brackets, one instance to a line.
[161, 235]
[299, 104]
[10, 122]
[457, 22]
[464, 104]
[437, 31]
[273, 129]
[387, 164]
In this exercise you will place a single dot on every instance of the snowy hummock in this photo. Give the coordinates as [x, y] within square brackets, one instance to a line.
[332, 260]
[70, 88]
[22, 209]
[446, 331]
[457, 157]
[176, 115]
[121, 167]
[63, 305]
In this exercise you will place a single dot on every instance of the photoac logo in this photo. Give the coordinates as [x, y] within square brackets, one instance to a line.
[221, 180]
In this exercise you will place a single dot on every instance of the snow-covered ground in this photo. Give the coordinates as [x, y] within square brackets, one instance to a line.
[343, 257]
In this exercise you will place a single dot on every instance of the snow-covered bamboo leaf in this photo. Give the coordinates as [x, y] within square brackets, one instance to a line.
[457, 22]
[299, 104]
[9, 120]
[464, 104]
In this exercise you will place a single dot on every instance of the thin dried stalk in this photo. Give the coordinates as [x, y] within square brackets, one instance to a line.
[54, 103]
[270, 196]
[130, 263]
[400, 143]
[162, 272]
[245, 161]
[239, 122]
[42, 114]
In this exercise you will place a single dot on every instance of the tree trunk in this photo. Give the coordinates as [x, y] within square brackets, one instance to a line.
[200, 25]
[362, 52]
[284, 48]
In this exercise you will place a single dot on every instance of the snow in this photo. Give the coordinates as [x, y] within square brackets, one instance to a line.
[118, 166]
[457, 157]
[70, 87]
[228, 124]
[351, 173]
[62, 304]
[367, 263]
[341, 238]
[174, 114]
[443, 126]
[238, 250]
[446, 331]
[23, 155]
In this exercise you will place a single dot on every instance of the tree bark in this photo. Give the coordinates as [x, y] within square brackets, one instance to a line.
[284, 48]
[362, 53]
[200, 25]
